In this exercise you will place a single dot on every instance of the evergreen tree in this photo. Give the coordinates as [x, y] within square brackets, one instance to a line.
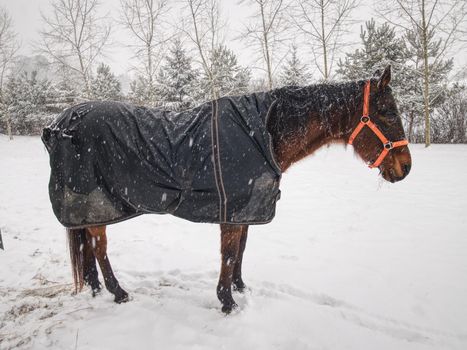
[228, 77]
[142, 93]
[380, 47]
[437, 80]
[450, 119]
[176, 79]
[66, 88]
[294, 72]
[105, 85]
[25, 101]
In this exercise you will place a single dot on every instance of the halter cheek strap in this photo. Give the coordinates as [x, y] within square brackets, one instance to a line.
[366, 121]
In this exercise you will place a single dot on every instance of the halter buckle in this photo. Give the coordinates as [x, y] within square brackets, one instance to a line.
[389, 145]
[365, 119]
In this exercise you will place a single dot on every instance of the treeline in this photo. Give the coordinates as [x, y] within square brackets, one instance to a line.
[181, 63]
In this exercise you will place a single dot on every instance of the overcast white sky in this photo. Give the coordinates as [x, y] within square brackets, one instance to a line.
[27, 22]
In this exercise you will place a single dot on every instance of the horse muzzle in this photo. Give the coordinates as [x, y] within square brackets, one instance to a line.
[397, 171]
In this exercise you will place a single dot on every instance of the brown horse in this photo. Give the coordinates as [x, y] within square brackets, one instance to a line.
[306, 119]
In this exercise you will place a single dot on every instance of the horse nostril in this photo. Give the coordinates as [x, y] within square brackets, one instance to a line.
[407, 169]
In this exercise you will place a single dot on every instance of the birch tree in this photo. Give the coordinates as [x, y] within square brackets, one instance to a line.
[9, 46]
[423, 19]
[203, 26]
[266, 33]
[144, 19]
[322, 24]
[74, 36]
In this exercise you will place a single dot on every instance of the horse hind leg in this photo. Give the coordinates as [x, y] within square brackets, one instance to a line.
[230, 245]
[237, 282]
[97, 237]
[90, 273]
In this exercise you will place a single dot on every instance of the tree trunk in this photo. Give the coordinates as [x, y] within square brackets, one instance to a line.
[198, 43]
[426, 76]
[266, 48]
[410, 131]
[8, 126]
[323, 40]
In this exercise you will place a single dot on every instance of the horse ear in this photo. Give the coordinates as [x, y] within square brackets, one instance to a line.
[385, 78]
[377, 73]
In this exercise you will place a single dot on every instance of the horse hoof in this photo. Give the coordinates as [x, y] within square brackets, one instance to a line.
[121, 297]
[239, 287]
[96, 291]
[227, 309]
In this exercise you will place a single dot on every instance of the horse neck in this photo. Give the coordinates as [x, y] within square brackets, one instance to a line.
[308, 118]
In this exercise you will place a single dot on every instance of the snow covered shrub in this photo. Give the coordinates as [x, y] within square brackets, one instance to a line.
[294, 72]
[31, 124]
[227, 76]
[105, 86]
[176, 80]
[25, 101]
[450, 120]
[141, 92]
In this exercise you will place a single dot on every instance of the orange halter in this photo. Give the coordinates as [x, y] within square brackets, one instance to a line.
[365, 120]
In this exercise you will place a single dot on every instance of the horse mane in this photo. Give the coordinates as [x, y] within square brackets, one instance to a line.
[324, 101]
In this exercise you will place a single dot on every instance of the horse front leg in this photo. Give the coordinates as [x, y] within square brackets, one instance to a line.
[238, 283]
[230, 246]
[97, 237]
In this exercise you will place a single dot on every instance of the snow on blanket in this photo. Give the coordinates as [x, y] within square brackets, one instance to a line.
[349, 262]
[111, 161]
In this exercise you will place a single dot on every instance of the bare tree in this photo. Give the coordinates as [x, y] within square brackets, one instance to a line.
[424, 18]
[323, 23]
[204, 29]
[75, 36]
[9, 46]
[144, 19]
[266, 32]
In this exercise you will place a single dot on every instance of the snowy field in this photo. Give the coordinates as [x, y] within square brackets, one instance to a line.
[349, 262]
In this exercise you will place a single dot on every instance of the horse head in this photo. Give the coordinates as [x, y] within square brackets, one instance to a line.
[378, 135]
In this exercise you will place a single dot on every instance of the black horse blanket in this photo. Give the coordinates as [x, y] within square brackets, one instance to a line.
[111, 161]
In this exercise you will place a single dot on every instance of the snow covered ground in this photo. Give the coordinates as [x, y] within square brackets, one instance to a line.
[349, 262]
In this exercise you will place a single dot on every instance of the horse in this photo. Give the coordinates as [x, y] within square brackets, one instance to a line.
[362, 113]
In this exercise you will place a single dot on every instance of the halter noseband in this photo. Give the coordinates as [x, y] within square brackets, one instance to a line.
[365, 120]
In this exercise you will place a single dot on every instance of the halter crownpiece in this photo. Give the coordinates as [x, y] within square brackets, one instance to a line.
[365, 120]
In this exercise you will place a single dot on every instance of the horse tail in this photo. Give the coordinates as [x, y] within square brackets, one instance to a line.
[76, 242]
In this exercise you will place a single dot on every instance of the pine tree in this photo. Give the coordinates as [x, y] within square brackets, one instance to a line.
[105, 85]
[294, 72]
[25, 100]
[141, 92]
[380, 47]
[438, 71]
[176, 79]
[450, 120]
[66, 88]
[228, 77]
